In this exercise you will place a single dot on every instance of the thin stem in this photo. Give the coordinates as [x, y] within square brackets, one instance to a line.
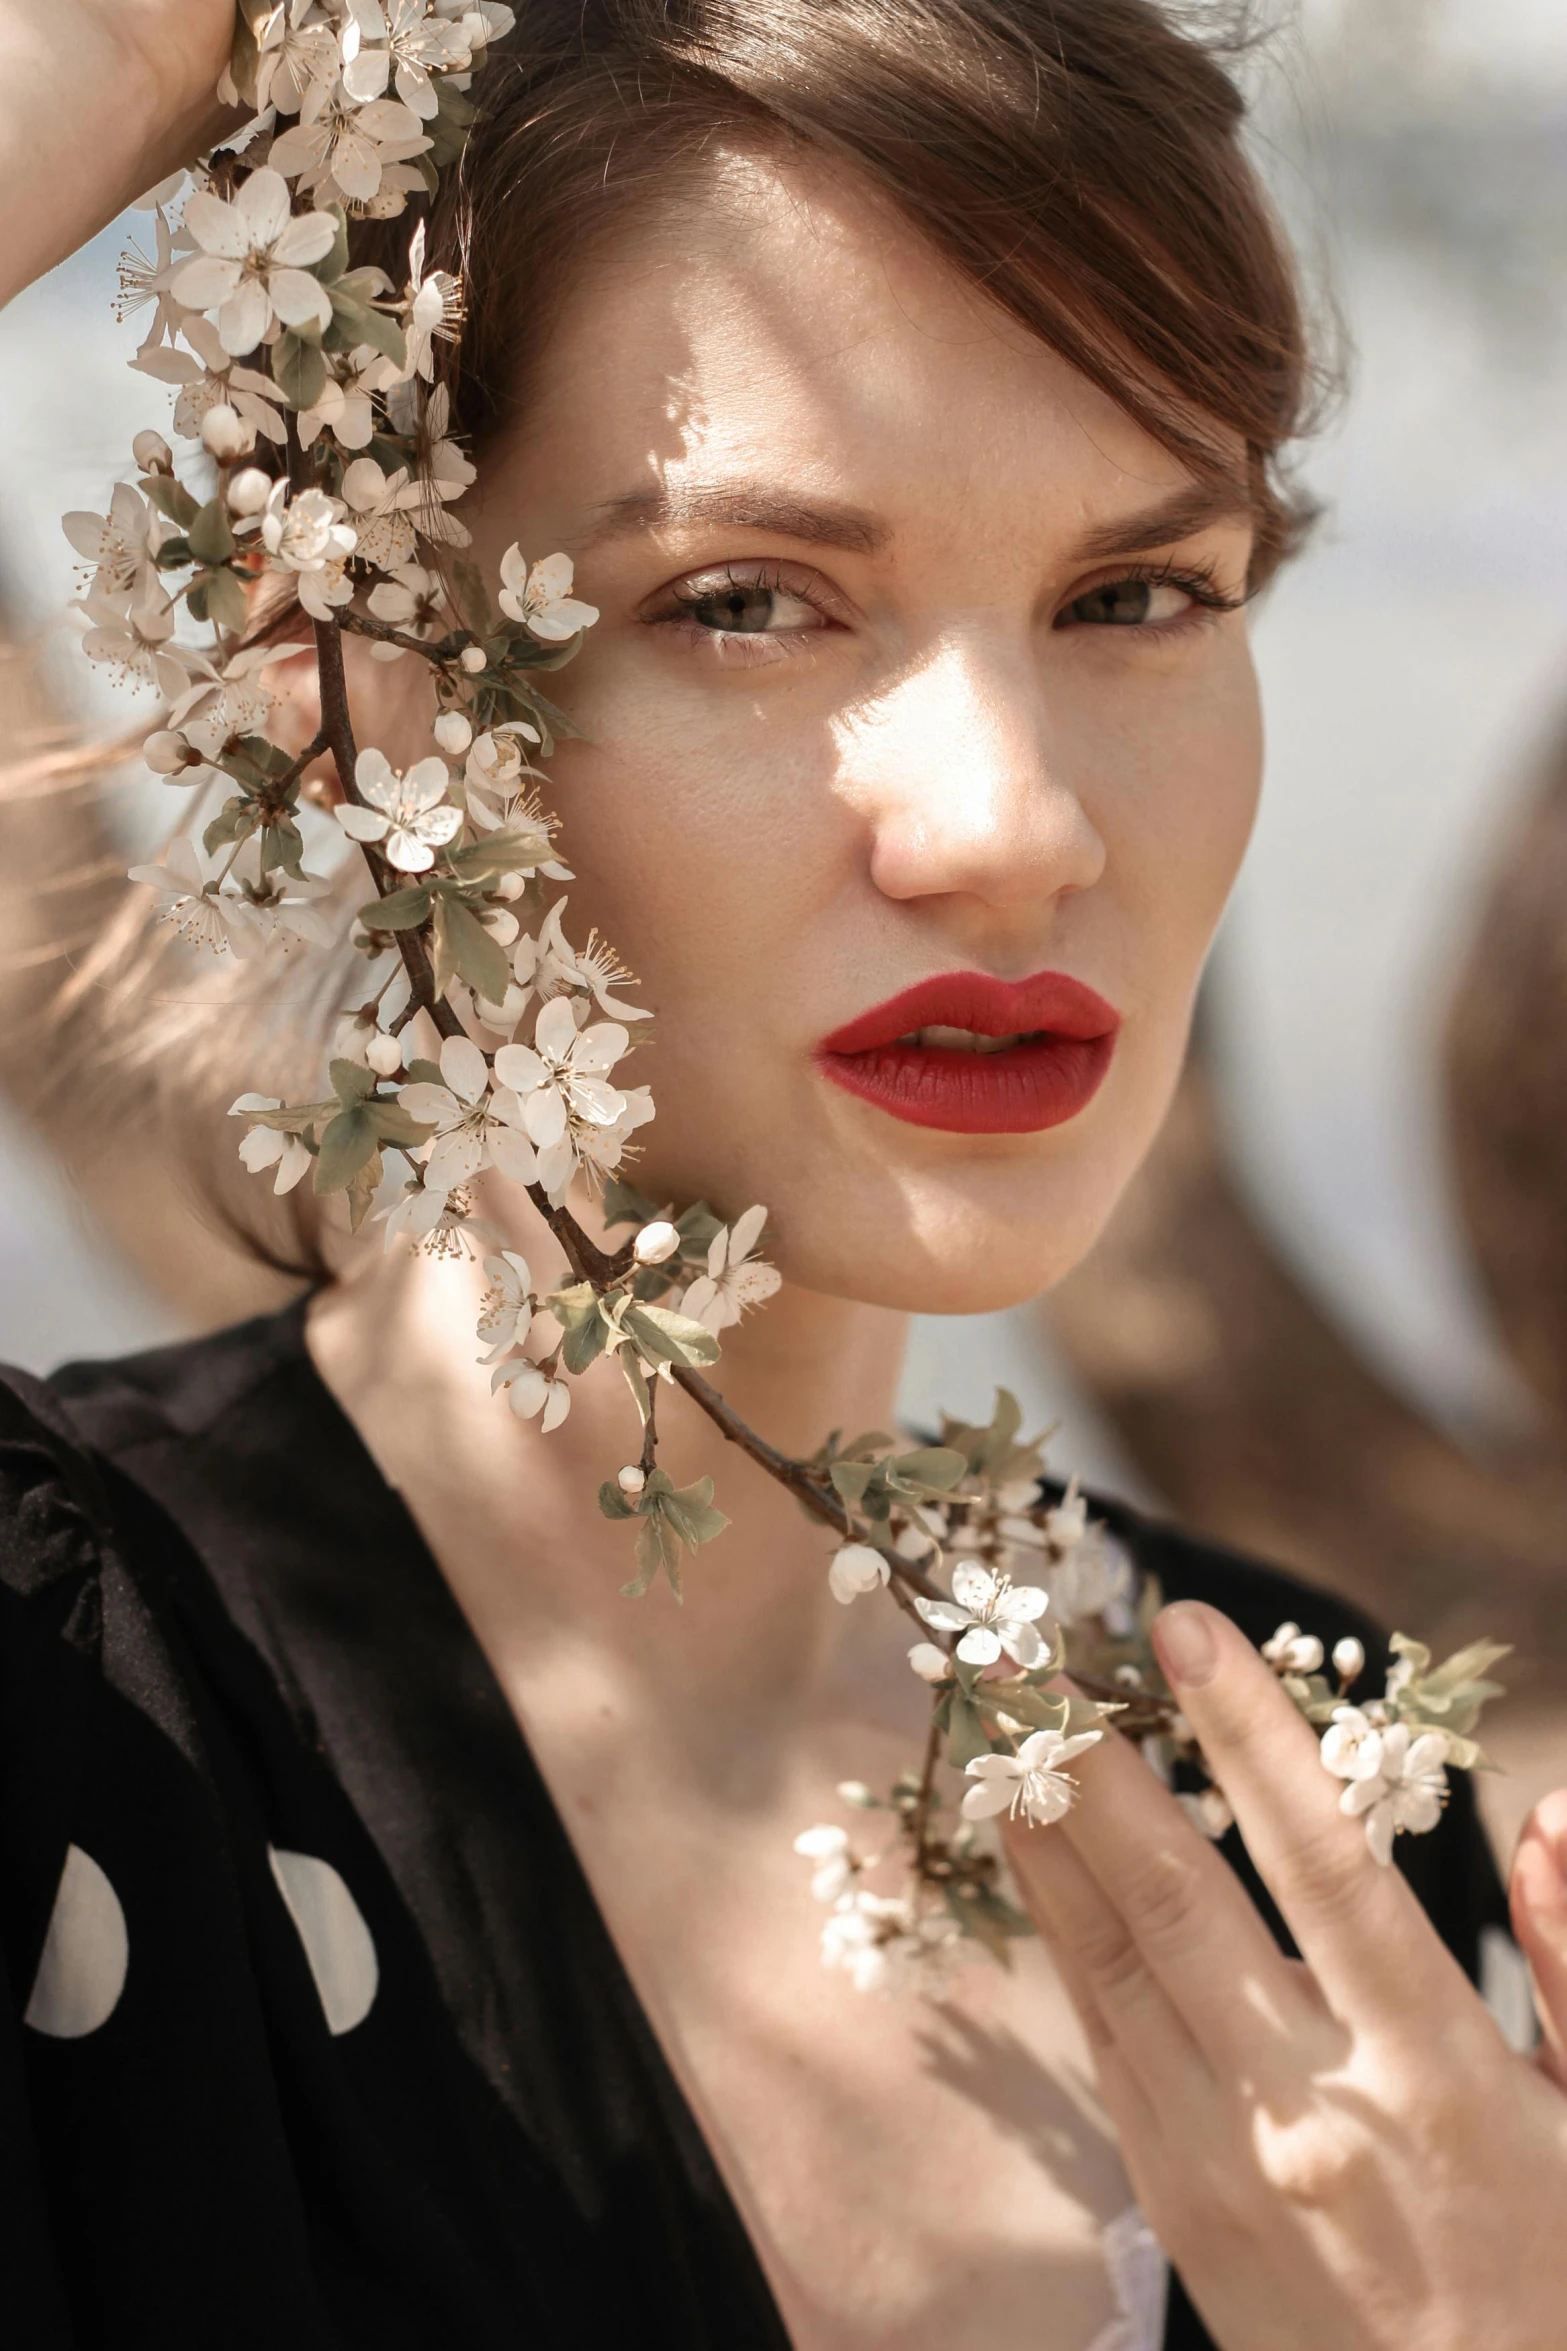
[924, 1802]
[440, 652]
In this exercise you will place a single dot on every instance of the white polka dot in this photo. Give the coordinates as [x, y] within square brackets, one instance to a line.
[336, 1939]
[81, 1972]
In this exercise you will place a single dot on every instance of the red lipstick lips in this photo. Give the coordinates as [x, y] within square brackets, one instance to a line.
[927, 1057]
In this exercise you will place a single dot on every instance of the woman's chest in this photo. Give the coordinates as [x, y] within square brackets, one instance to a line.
[912, 2171]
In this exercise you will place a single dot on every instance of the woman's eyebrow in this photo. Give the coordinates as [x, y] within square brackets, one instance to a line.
[1195, 506]
[742, 506]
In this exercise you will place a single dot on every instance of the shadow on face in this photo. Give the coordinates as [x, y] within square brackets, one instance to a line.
[918, 661]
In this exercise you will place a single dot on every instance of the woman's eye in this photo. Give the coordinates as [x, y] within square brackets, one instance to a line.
[1131, 603]
[747, 608]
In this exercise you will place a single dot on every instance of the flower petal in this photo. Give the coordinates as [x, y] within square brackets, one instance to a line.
[555, 1030]
[464, 1068]
[979, 1646]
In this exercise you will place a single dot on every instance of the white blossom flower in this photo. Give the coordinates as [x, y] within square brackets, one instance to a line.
[734, 1279]
[389, 509]
[207, 918]
[551, 966]
[560, 1078]
[213, 705]
[342, 408]
[597, 1150]
[1032, 1781]
[253, 267]
[441, 1224]
[307, 536]
[856, 1568]
[134, 640]
[263, 1147]
[1292, 1651]
[1397, 1780]
[506, 1309]
[1095, 1576]
[992, 1613]
[828, 1846]
[474, 1127]
[929, 1662]
[408, 812]
[412, 45]
[145, 279]
[530, 1389]
[410, 600]
[121, 544]
[541, 599]
[434, 309]
[1208, 1811]
[340, 149]
[884, 1947]
[299, 57]
[209, 379]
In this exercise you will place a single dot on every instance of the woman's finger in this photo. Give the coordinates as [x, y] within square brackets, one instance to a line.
[1191, 1919]
[1367, 1940]
[1099, 1958]
[1539, 1913]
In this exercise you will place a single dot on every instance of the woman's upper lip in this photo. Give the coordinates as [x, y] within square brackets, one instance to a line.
[1050, 1000]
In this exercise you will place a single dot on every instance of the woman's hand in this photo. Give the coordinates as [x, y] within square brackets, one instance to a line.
[1338, 2152]
[99, 100]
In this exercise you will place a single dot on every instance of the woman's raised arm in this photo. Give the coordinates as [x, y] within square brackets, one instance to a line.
[99, 99]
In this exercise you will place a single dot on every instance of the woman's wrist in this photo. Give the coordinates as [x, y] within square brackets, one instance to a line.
[97, 104]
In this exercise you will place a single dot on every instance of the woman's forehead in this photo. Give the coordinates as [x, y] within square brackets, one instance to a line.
[782, 330]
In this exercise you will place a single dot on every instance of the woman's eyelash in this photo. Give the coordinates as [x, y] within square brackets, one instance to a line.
[1198, 579]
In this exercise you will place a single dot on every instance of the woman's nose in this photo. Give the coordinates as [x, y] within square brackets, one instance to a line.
[957, 771]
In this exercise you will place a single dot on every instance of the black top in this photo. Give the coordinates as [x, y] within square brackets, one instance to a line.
[399, 2093]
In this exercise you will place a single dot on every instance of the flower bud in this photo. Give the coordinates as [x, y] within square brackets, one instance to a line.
[631, 1479]
[453, 732]
[249, 490]
[384, 1054]
[167, 752]
[510, 885]
[471, 658]
[856, 1792]
[152, 453]
[1349, 1658]
[855, 1568]
[929, 1662]
[656, 1243]
[226, 435]
[1305, 1654]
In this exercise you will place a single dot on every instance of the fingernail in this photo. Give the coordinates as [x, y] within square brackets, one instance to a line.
[1186, 1648]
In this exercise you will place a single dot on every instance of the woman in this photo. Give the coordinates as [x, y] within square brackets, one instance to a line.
[908, 385]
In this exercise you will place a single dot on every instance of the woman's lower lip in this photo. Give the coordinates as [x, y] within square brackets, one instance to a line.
[1040, 1082]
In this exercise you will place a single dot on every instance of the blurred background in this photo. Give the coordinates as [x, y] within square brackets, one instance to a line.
[1329, 1323]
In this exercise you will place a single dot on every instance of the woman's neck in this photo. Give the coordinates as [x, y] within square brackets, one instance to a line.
[513, 1517]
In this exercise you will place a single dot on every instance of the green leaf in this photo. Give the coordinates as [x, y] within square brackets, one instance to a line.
[235, 821]
[349, 1141]
[292, 1118]
[656, 1548]
[352, 1081]
[966, 1733]
[423, 1073]
[470, 598]
[298, 370]
[362, 1190]
[464, 949]
[938, 1466]
[211, 539]
[851, 1478]
[571, 1307]
[225, 600]
[613, 1502]
[282, 847]
[624, 1204]
[691, 1511]
[354, 322]
[637, 1383]
[400, 910]
[335, 260]
[585, 1342]
[662, 1337]
[172, 498]
[397, 1126]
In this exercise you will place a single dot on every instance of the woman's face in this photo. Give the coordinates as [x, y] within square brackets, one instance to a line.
[902, 675]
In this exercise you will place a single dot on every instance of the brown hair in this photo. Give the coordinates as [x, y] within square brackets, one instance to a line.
[1081, 160]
